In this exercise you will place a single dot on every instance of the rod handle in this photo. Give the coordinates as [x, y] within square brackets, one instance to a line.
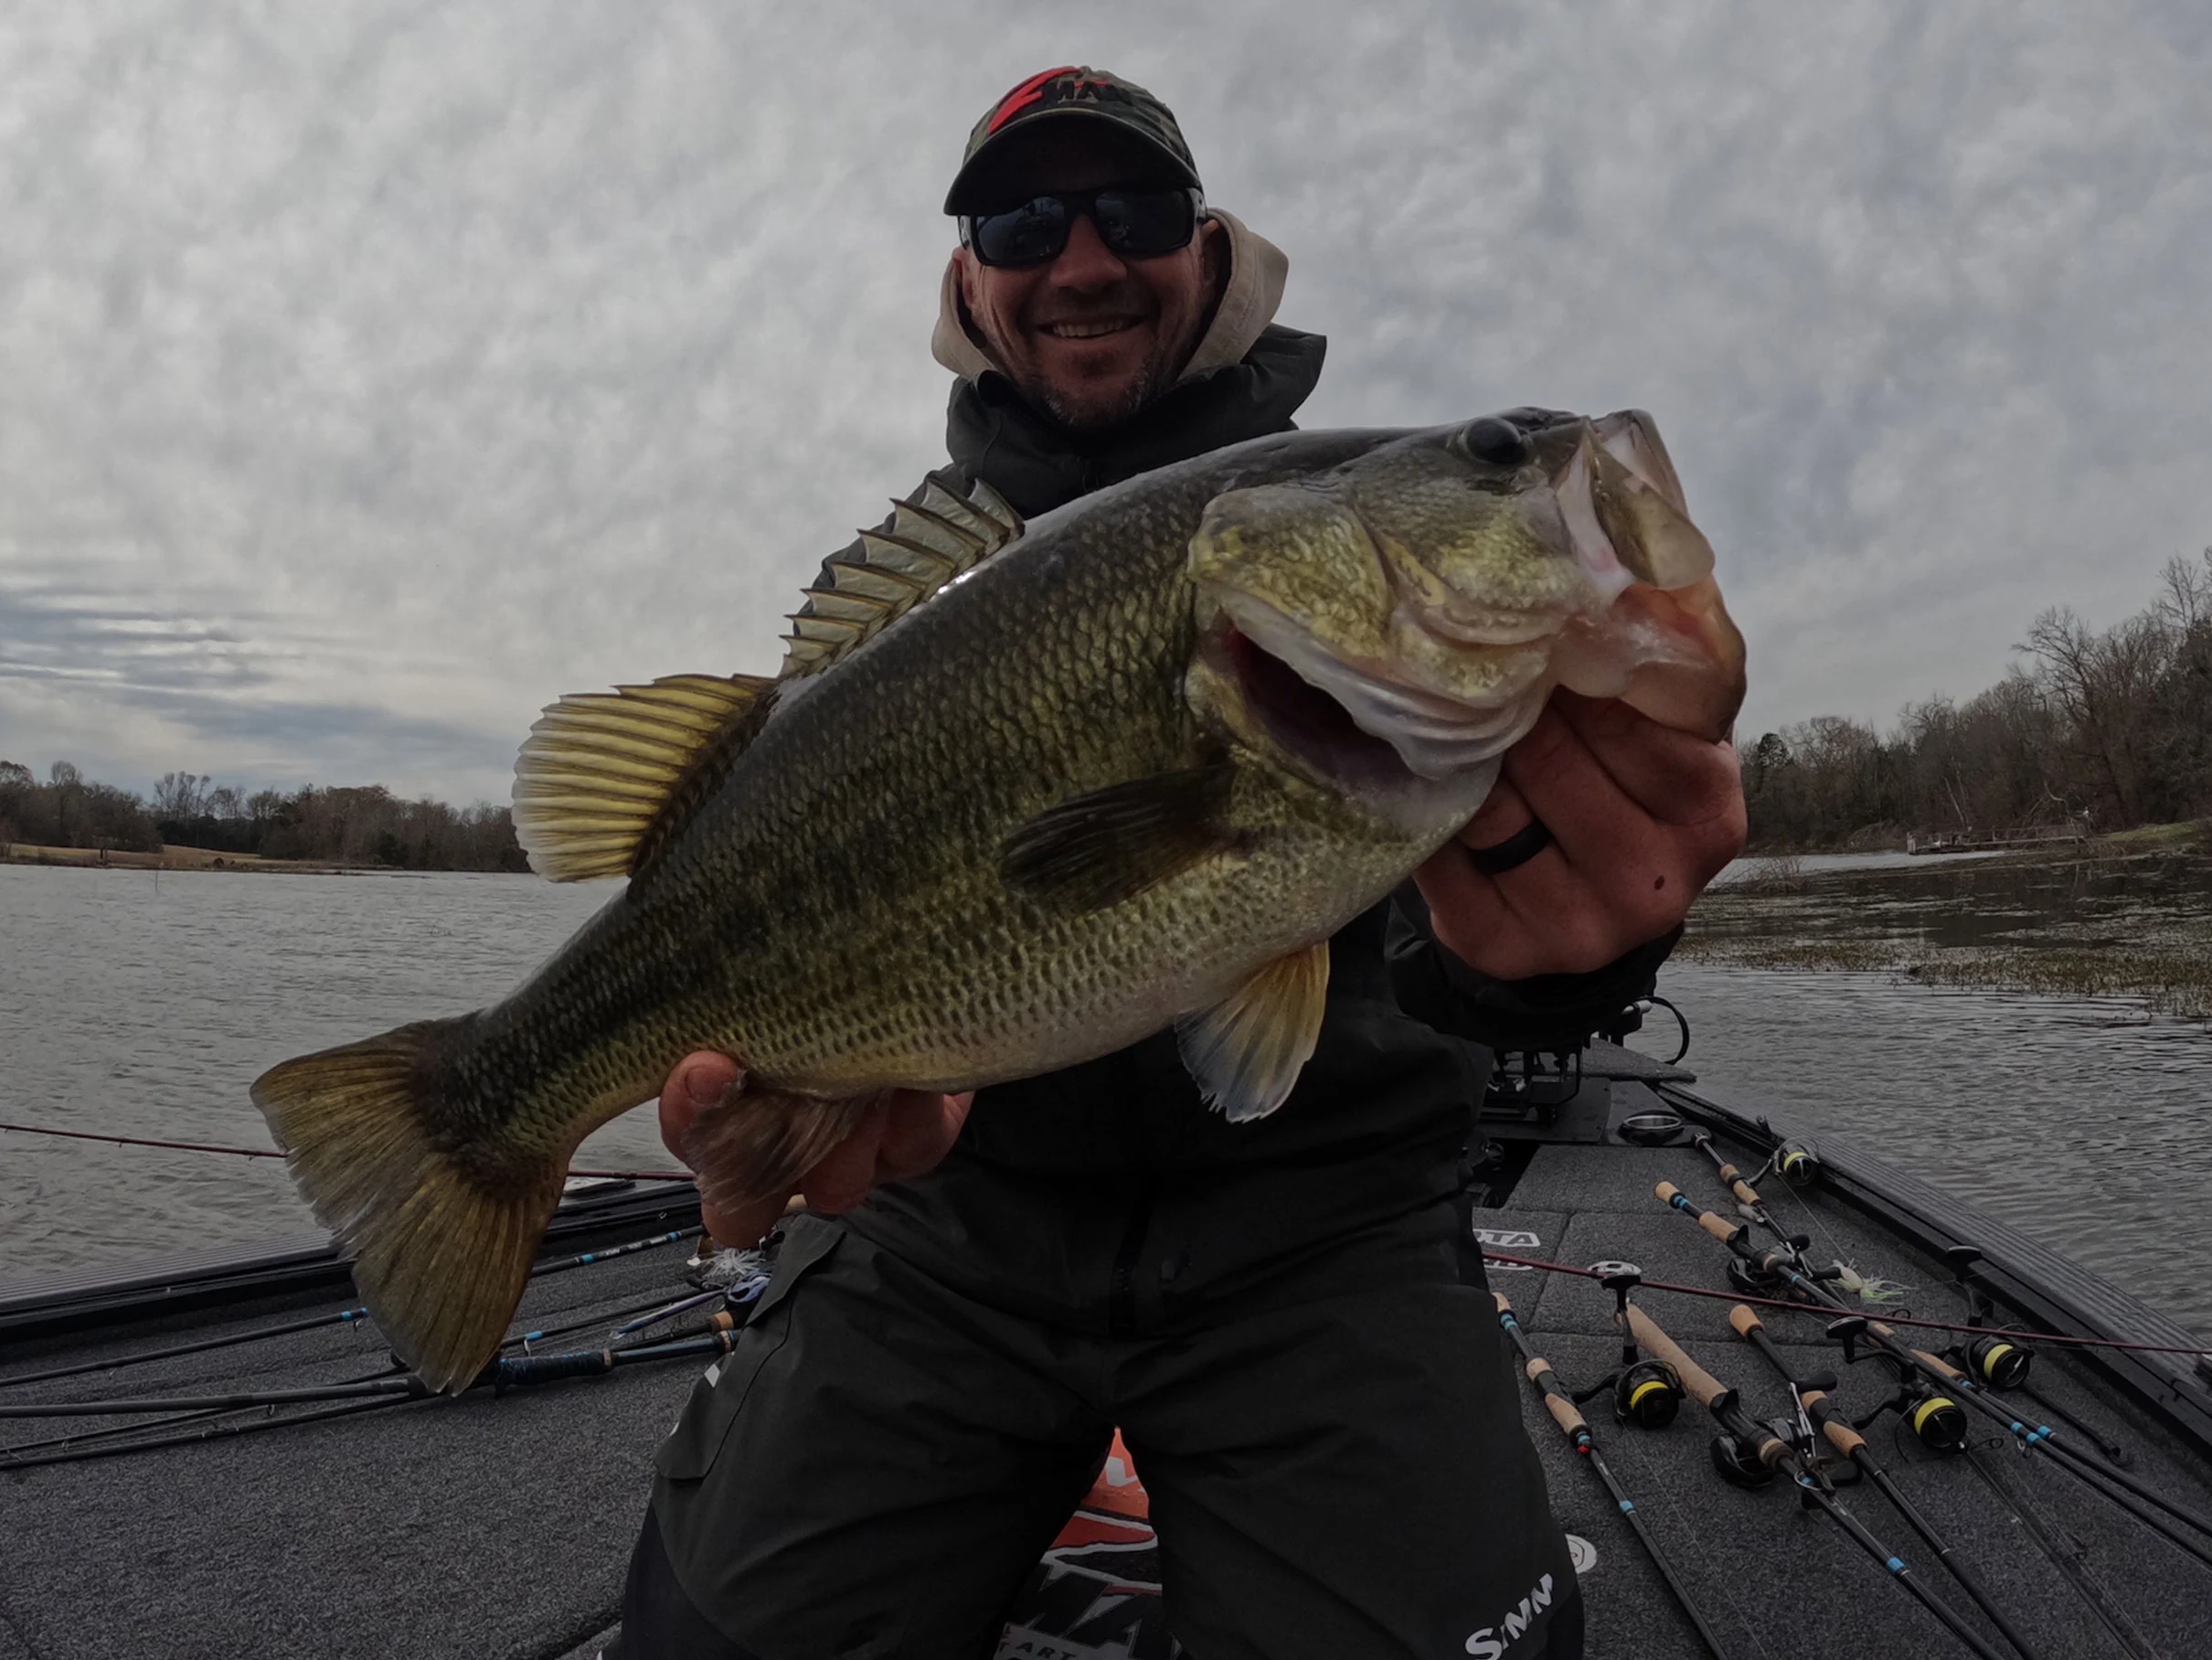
[1841, 1435]
[1504, 1307]
[1657, 1343]
[1745, 1322]
[1744, 1192]
[1725, 1232]
[1942, 1366]
[1556, 1401]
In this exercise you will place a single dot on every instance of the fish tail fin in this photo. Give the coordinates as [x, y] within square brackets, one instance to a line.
[441, 1243]
[756, 1144]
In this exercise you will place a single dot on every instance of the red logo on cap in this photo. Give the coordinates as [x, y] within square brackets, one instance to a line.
[1030, 91]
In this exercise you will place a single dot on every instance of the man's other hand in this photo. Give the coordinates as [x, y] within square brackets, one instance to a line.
[903, 1135]
[1642, 817]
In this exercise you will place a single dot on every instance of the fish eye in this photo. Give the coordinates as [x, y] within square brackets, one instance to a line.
[1494, 440]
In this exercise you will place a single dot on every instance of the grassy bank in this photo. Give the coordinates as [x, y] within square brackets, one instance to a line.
[167, 858]
[2127, 915]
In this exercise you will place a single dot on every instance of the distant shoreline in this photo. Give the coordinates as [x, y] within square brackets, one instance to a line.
[175, 858]
[2128, 914]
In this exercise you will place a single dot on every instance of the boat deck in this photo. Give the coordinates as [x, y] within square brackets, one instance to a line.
[501, 1525]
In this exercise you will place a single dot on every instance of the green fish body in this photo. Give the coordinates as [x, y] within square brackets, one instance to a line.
[1019, 798]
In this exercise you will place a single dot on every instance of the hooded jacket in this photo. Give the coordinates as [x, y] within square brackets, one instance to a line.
[1108, 1196]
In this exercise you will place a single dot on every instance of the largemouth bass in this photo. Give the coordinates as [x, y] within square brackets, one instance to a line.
[1018, 798]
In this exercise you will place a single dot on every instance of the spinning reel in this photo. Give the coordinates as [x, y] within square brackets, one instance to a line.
[1935, 1419]
[1646, 1392]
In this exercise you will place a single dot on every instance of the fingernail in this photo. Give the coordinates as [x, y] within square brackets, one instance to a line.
[702, 1091]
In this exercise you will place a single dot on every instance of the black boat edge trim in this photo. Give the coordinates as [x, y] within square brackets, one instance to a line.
[2040, 1286]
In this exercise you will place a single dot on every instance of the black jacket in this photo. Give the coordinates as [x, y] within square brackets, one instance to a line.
[1107, 1195]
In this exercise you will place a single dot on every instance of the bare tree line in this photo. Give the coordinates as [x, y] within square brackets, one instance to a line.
[362, 824]
[2110, 728]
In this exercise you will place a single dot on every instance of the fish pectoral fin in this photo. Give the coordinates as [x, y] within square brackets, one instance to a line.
[1245, 1052]
[607, 778]
[442, 1246]
[757, 1144]
[1106, 846]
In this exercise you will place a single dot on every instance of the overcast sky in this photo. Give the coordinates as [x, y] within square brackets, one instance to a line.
[371, 374]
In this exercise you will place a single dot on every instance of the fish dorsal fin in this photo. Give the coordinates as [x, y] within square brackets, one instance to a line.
[933, 537]
[1245, 1053]
[605, 779]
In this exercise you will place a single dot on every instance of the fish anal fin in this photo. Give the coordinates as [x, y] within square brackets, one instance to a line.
[1245, 1053]
[1106, 846]
[757, 1144]
[442, 1244]
[606, 779]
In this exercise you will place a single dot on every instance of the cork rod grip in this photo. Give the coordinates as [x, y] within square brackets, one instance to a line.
[1556, 1400]
[1657, 1343]
[1841, 1435]
[1942, 1366]
[1745, 1322]
[1723, 1231]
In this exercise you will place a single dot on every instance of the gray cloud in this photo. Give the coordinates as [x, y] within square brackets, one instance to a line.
[377, 373]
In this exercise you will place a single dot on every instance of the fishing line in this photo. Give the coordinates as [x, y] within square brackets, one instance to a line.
[1802, 1308]
[342, 1316]
[141, 1141]
[212, 1432]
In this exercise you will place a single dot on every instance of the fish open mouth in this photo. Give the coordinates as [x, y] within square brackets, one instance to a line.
[1303, 718]
[1355, 729]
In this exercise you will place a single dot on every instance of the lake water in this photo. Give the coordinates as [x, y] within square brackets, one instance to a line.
[142, 1006]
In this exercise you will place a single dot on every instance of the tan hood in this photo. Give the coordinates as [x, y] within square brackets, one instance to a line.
[1257, 269]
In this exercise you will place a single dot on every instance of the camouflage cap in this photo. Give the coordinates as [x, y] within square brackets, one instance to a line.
[1070, 92]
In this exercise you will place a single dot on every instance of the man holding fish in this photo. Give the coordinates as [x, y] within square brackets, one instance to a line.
[1336, 1467]
[1105, 925]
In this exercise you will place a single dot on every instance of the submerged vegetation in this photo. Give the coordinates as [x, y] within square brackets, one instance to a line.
[2128, 915]
[2104, 731]
[353, 825]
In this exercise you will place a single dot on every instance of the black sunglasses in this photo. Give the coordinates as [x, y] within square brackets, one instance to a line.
[1140, 224]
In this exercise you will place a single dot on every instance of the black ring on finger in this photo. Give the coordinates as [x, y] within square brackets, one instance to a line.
[1514, 851]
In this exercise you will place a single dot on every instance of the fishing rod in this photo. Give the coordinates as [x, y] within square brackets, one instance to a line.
[1814, 1405]
[1561, 1406]
[210, 1432]
[354, 1316]
[177, 1146]
[361, 1395]
[2039, 1438]
[344, 1316]
[607, 1253]
[1995, 1359]
[1733, 1179]
[1747, 1445]
[2063, 1340]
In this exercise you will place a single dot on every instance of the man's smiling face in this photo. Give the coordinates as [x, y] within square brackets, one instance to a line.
[1091, 336]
